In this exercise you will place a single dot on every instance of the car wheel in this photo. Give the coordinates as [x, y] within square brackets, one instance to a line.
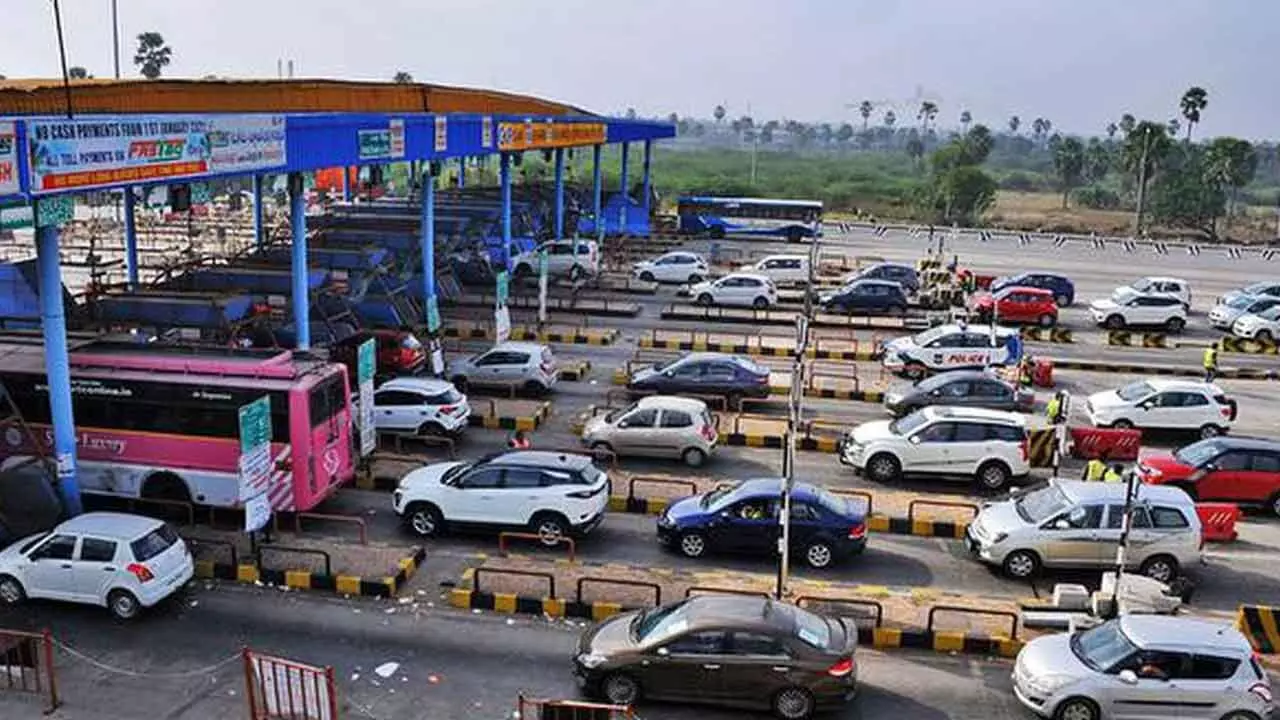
[11, 591]
[819, 555]
[1175, 325]
[793, 703]
[884, 468]
[1160, 567]
[760, 303]
[1114, 322]
[620, 689]
[1048, 320]
[1062, 300]
[575, 272]
[993, 476]
[647, 276]
[716, 232]
[459, 382]
[692, 544]
[1210, 431]
[1077, 708]
[602, 446]
[1240, 715]
[695, 278]
[704, 299]
[533, 387]
[1021, 564]
[123, 605]
[694, 457]
[523, 270]
[432, 428]
[424, 520]
[1122, 424]
[1264, 336]
[550, 528]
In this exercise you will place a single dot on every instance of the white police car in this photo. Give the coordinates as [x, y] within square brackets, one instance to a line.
[952, 347]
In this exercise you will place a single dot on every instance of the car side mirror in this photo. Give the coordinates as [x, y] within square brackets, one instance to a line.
[1062, 524]
[915, 440]
[935, 393]
[667, 373]
[663, 652]
[1128, 677]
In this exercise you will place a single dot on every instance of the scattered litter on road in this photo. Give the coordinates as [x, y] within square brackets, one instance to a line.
[386, 670]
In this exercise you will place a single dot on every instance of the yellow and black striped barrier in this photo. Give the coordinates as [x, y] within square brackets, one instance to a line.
[1050, 335]
[527, 334]
[1261, 625]
[1042, 441]
[1249, 346]
[1127, 338]
[651, 343]
[383, 587]
[512, 422]
[575, 370]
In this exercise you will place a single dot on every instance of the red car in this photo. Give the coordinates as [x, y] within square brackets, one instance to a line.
[1016, 305]
[1239, 470]
[399, 353]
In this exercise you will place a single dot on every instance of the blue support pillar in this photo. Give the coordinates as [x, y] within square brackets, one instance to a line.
[622, 186]
[130, 240]
[462, 172]
[597, 191]
[53, 322]
[259, 232]
[346, 183]
[301, 297]
[647, 180]
[504, 177]
[560, 194]
[427, 239]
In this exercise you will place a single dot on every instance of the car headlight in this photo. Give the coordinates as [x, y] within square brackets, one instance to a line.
[591, 661]
[1049, 684]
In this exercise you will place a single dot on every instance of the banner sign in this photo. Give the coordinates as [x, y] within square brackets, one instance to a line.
[486, 132]
[8, 160]
[442, 133]
[366, 363]
[255, 447]
[16, 216]
[382, 144]
[515, 136]
[114, 150]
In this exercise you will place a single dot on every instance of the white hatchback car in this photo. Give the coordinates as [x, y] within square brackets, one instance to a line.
[673, 267]
[119, 561]
[1144, 667]
[736, 289]
[1164, 404]
[1263, 326]
[561, 260]
[989, 446]
[1129, 308]
[528, 365]
[781, 269]
[422, 405]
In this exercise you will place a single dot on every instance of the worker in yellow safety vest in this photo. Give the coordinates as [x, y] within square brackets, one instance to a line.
[1095, 469]
[1115, 474]
[1055, 410]
[1210, 362]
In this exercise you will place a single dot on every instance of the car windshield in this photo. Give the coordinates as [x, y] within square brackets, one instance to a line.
[908, 424]
[153, 543]
[613, 415]
[752, 365]
[1257, 288]
[1242, 302]
[1270, 313]
[930, 335]
[453, 472]
[812, 629]
[1039, 505]
[1102, 647]
[719, 496]
[1142, 284]
[409, 342]
[832, 502]
[660, 623]
[1135, 391]
[1197, 454]
[32, 543]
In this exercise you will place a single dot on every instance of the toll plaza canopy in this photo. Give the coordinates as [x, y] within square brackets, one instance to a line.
[58, 141]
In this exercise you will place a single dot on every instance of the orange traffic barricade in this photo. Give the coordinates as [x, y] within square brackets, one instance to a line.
[1218, 521]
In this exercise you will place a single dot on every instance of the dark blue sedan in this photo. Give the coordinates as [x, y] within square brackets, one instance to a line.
[1064, 291]
[867, 296]
[904, 275]
[743, 518]
[732, 377]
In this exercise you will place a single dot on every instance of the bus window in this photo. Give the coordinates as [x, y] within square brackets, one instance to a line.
[327, 399]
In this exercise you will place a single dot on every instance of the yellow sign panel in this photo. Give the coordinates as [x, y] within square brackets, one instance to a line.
[517, 136]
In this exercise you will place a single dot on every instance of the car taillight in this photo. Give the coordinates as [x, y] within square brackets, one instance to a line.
[1262, 692]
[446, 409]
[1024, 449]
[547, 368]
[842, 668]
[140, 571]
[858, 531]
[708, 432]
[1225, 411]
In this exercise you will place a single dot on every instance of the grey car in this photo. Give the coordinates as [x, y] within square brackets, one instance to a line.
[967, 388]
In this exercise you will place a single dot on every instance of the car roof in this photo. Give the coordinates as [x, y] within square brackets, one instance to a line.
[110, 524]
[707, 355]
[1001, 330]
[425, 384]
[1183, 633]
[954, 412]
[541, 459]
[1082, 491]
[1026, 289]
[1237, 442]
[673, 402]
[959, 375]
[1162, 384]
[742, 612]
[1162, 278]
[782, 256]
[757, 276]
[518, 346]
[875, 281]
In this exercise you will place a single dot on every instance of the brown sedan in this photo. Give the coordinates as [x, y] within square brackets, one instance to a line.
[738, 651]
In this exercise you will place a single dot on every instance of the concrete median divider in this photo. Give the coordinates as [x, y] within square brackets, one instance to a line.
[1188, 370]
[510, 414]
[703, 313]
[574, 370]
[1248, 346]
[1047, 334]
[383, 586]
[758, 345]
[1261, 625]
[564, 334]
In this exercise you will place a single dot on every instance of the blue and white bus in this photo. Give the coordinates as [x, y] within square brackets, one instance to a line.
[794, 220]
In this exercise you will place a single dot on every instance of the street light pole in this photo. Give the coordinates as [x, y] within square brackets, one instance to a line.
[115, 36]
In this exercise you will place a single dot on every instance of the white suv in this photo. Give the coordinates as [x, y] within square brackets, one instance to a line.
[1144, 666]
[1128, 308]
[1155, 285]
[560, 259]
[425, 406]
[781, 269]
[673, 267]
[553, 494]
[737, 289]
[1164, 404]
[119, 561]
[989, 446]
[524, 364]
[1263, 326]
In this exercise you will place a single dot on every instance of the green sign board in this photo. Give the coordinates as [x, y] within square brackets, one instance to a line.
[433, 314]
[255, 425]
[366, 363]
[503, 289]
[366, 360]
[16, 217]
[374, 143]
[53, 211]
[542, 263]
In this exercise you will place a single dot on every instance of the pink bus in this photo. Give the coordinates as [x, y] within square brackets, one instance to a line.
[161, 421]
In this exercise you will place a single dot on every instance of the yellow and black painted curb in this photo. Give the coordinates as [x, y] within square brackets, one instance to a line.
[756, 350]
[577, 337]
[1126, 338]
[881, 637]
[1050, 334]
[1261, 625]
[383, 587]
[1163, 370]
[1040, 452]
[1248, 346]
[511, 422]
[575, 370]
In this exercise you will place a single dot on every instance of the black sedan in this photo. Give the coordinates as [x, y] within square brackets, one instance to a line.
[729, 376]
[967, 388]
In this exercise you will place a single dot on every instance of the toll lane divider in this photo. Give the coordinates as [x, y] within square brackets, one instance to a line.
[1229, 343]
[756, 349]
[600, 306]
[495, 420]
[467, 595]
[622, 375]
[568, 336]
[676, 311]
[1162, 370]
[1047, 334]
[575, 370]
[385, 586]
[1261, 625]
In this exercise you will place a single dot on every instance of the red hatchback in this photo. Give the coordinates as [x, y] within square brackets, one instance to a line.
[1016, 305]
[1239, 470]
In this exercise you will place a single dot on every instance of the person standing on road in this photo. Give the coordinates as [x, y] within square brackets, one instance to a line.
[1210, 362]
[1096, 468]
[1114, 474]
[1056, 409]
[519, 441]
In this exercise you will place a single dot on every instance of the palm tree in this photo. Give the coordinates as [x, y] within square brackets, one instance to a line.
[1145, 148]
[915, 146]
[865, 110]
[1232, 163]
[890, 119]
[152, 55]
[1039, 127]
[1194, 100]
[718, 113]
[402, 77]
[1069, 163]
[1111, 131]
[1127, 124]
[1015, 122]
[928, 111]
[1174, 126]
[966, 117]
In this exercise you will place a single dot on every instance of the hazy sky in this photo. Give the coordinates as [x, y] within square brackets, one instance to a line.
[1079, 63]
